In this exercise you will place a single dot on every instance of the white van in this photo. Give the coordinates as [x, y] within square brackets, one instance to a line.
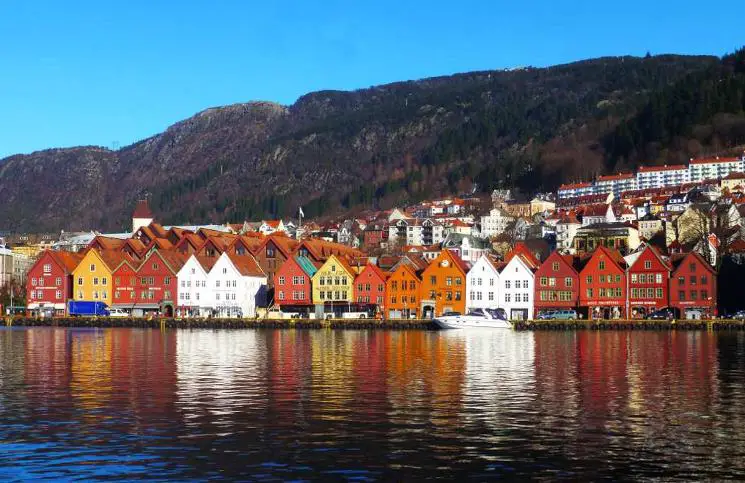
[117, 313]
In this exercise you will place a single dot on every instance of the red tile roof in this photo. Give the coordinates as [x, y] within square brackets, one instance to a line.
[67, 260]
[246, 265]
[616, 177]
[672, 167]
[571, 186]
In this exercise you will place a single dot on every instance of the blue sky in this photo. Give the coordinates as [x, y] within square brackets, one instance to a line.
[99, 72]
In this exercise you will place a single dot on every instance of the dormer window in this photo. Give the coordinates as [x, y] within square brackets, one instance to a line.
[270, 251]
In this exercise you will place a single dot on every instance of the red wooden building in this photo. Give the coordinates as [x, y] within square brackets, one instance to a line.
[693, 286]
[292, 285]
[124, 294]
[602, 285]
[369, 288]
[649, 281]
[49, 283]
[155, 287]
[556, 283]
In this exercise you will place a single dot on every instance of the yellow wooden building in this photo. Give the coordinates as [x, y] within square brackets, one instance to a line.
[92, 279]
[333, 282]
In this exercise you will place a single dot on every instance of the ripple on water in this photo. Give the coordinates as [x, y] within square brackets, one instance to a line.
[361, 405]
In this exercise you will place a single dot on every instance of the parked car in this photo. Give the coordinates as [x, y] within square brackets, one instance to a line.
[663, 314]
[117, 313]
[565, 315]
[559, 315]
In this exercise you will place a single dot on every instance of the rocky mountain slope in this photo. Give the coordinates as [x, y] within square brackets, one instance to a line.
[332, 151]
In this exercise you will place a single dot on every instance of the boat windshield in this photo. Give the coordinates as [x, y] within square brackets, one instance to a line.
[497, 313]
[476, 312]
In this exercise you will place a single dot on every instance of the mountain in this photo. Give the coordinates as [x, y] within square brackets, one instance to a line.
[529, 128]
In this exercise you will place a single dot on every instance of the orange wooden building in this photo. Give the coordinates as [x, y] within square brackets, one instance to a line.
[444, 285]
[402, 293]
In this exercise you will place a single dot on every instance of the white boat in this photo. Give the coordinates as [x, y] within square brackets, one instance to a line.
[484, 318]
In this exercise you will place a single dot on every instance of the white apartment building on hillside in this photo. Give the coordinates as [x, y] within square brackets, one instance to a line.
[662, 176]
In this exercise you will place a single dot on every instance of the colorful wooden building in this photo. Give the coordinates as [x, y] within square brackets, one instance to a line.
[444, 285]
[557, 283]
[369, 288]
[648, 282]
[49, 283]
[693, 286]
[602, 285]
[292, 285]
[403, 293]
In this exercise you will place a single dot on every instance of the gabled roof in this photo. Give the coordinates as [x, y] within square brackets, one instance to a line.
[713, 160]
[614, 255]
[107, 243]
[632, 258]
[375, 270]
[522, 250]
[677, 260]
[160, 243]
[173, 259]
[246, 265]
[283, 243]
[407, 268]
[68, 261]
[206, 262]
[113, 258]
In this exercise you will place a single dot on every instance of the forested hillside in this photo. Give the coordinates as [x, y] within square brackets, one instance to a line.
[334, 151]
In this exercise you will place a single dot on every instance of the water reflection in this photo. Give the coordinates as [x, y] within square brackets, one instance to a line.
[362, 404]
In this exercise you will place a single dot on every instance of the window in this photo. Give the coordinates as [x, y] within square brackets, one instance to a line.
[589, 293]
[132, 281]
[601, 265]
[449, 281]
[58, 281]
[367, 287]
[491, 282]
[704, 295]
[647, 264]
[507, 298]
[116, 294]
[601, 292]
[555, 266]
[269, 251]
[491, 296]
[704, 280]
[224, 271]
[433, 280]
[103, 295]
[681, 280]
[681, 294]
[344, 280]
[282, 295]
[80, 295]
[58, 294]
[525, 284]
[167, 281]
[322, 281]
[217, 283]
[280, 280]
[33, 281]
[104, 281]
[507, 284]
[95, 295]
[322, 295]
[568, 281]
[659, 293]
[588, 279]
[333, 268]
[457, 295]
[694, 295]
[92, 267]
[544, 281]
[658, 278]
[47, 268]
[459, 281]
[692, 279]
[551, 282]
[217, 296]
[380, 287]
[95, 280]
[393, 299]
[155, 266]
[618, 278]
[692, 267]
[33, 294]
[634, 278]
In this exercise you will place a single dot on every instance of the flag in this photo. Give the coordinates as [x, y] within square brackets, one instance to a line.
[300, 212]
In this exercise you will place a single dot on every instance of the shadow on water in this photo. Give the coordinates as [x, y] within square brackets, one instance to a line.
[254, 404]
